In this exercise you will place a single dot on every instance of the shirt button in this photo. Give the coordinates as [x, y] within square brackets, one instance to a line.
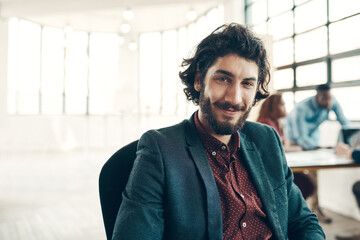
[244, 224]
[223, 147]
[213, 153]
[242, 195]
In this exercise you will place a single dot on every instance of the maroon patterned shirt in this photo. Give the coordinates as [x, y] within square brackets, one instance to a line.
[243, 216]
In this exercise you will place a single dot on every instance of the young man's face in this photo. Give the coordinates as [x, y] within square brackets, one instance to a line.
[227, 94]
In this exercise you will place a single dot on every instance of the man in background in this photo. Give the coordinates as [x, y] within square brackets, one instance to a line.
[302, 124]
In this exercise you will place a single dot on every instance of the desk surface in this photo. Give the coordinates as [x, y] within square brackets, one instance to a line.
[317, 159]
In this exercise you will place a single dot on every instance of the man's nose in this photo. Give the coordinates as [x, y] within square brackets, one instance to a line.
[234, 95]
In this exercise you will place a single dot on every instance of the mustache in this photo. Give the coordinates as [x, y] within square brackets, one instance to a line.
[227, 106]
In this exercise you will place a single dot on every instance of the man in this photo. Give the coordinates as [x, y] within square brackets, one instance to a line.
[216, 176]
[302, 124]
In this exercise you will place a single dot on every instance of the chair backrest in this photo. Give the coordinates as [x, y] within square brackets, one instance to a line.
[112, 181]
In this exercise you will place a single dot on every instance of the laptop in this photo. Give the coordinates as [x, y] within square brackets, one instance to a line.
[350, 136]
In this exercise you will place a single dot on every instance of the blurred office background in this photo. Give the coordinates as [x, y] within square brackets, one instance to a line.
[79, 79]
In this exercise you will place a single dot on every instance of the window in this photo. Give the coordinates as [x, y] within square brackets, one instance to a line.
[340, 9]
[76, 70]
[50, 72]
[24, 71]
[310, 15]
[343, 36]
[313, 74]
[346, 69]
[283, 78]
[311, 45]
[283, 52]
[314, 42]
[103, 73]
[52, 87]
[281, 26]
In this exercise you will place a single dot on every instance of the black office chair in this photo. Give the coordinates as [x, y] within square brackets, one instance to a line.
[112, 181]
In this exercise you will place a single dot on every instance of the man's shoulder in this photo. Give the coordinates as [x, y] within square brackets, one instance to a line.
[170, 133]
[256, 130]
[261, 135]
[250, 125]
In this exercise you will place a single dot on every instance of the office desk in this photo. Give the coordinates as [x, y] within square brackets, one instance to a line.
[317, 159]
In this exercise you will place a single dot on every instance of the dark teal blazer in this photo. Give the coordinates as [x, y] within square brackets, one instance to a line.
[172, 193]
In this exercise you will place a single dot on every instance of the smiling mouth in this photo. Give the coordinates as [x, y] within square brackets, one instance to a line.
[229, 112]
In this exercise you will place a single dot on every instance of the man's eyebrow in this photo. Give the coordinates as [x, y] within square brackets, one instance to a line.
[232, 75]
[224, 72]
[250, 79]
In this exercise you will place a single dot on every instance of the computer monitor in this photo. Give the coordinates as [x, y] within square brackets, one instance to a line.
[350, 136]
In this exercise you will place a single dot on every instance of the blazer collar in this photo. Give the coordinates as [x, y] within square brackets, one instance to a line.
[255, 167]
[199, 157]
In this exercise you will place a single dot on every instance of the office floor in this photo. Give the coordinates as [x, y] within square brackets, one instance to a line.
[54, 196]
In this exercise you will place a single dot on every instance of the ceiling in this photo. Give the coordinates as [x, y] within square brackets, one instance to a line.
[105, 15]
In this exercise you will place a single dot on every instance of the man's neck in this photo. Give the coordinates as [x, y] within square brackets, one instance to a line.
[223, 138]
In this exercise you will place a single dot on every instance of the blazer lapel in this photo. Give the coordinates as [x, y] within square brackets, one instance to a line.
[253, 163]
[199, 157]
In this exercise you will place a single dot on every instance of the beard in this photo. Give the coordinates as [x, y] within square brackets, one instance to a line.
[222, 128]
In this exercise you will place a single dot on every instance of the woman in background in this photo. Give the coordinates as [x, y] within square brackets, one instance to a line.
[272, 111]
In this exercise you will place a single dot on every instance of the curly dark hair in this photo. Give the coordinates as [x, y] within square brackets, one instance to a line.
[227, 39]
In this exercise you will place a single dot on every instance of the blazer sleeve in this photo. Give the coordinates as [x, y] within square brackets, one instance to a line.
[141, 212]
[302, 223]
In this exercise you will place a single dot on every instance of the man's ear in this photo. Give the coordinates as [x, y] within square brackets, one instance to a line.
[197, 84]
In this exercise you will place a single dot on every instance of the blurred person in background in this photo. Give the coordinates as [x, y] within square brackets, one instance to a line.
[302, 124]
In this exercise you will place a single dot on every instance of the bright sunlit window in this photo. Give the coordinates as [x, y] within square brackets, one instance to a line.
[103, 73]
[24, 62]
[314, 42]
[51, 71]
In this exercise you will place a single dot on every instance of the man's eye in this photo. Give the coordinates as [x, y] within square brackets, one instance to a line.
[249, 84]
[222, 79]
